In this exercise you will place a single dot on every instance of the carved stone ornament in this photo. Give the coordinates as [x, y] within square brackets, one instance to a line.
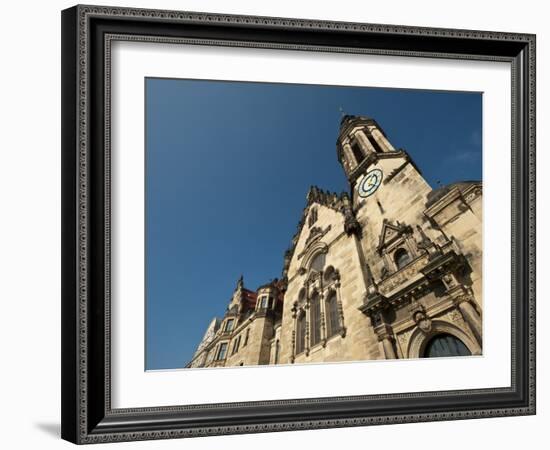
[423, 321]
[449, 280]
[391, 233]
[420, 317]
[426, 244]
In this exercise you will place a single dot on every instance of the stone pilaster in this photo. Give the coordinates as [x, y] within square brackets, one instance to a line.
[471, 317]
[385, 335]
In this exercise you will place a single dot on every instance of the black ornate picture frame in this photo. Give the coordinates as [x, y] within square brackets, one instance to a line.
[87, 34]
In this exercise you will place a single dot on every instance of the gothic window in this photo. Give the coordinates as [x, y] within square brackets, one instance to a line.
[301, 334]
[333, 320]
[445, 345]
[246, 337]
[401, 258]
[315, 311]
[329, 274]
[318, 262]
[222, 351]
[357, 152]
[312, 217]
[229, 325]
[302, 295]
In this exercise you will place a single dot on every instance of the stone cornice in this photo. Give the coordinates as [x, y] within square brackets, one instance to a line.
[401, 287]
[467, 195]
[373, 158]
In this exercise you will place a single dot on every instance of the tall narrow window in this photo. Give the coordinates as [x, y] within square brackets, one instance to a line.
[229, 325]
[263, 302]
[333, 318]
[246, 337]
[315, 309]
[301, 334]
[357, 152]
[236, 345]
[374, 143]
[222, 351]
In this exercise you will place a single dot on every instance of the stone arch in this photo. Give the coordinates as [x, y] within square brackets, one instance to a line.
[313, 251]
[419, 338]
[330, 273]
[401, 257]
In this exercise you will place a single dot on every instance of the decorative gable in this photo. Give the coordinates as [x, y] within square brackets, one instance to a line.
[392, 233]
[317, 197]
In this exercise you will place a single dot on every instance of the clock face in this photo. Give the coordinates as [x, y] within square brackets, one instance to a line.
[369, 184]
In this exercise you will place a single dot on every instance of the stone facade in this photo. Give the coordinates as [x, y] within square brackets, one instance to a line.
[390, 270]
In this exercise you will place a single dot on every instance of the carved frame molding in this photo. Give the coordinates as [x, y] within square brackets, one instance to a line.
[87, 416]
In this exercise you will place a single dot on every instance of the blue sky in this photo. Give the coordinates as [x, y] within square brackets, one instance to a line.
[228, 166]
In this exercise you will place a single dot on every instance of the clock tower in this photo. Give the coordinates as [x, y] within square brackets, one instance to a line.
[388, 192]
[371, 163]
[390, 269]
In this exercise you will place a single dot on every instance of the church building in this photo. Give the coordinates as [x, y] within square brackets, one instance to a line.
[391, 269]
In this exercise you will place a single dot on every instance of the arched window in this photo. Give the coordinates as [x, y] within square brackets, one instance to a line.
[357, 152]
[329, 274]
[318, 262]
[333, 319]
[401, 258]
[315, 311]
[445, 345]
[301, 334]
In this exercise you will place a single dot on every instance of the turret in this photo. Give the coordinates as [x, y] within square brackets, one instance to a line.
[359, 141]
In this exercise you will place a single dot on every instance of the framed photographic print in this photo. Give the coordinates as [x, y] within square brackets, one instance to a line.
[282, 224]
